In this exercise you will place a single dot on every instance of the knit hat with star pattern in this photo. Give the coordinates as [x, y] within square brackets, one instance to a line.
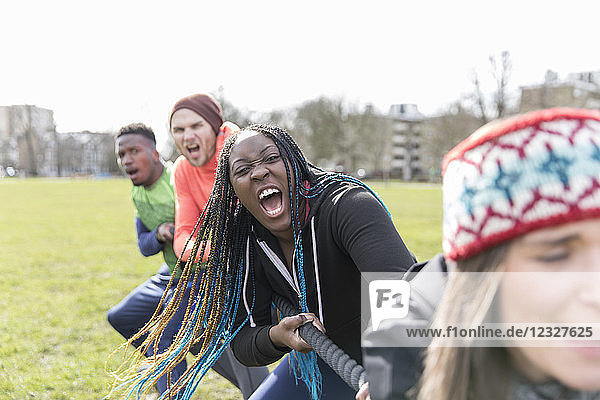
[517, 175]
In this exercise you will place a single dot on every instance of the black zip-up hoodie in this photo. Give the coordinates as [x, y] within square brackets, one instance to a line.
[353, 233]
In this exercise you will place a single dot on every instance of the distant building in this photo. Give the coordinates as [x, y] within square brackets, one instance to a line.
[580, 90]
[30, 144]
[419, 142]
[27, 139]
[407, 132]
[86, 153]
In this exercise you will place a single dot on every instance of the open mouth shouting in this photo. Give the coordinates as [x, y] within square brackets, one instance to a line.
[193, 149]
[271, 201]
[131, 173]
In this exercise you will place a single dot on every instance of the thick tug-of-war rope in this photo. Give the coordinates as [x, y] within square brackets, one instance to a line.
[347, 368]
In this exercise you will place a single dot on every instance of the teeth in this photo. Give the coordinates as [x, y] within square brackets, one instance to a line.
[267, 192]
[273, 212]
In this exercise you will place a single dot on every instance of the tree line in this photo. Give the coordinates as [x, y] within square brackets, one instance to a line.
[337, 134]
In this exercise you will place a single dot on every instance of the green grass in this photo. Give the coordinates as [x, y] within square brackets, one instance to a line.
[417, 213]
[68, 253]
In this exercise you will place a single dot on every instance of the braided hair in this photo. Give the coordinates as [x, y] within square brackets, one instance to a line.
[209, 321]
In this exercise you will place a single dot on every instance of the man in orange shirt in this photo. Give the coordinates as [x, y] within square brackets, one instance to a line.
[199, 132]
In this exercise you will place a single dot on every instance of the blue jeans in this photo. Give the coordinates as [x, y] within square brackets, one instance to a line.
[281, 384]
[136, 309]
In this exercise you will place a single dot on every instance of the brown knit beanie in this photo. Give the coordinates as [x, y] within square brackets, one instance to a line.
[205, 106]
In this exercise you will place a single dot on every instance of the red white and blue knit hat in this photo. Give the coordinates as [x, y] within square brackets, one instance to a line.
[517, 175]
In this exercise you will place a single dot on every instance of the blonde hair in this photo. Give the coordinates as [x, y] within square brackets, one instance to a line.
[467, 373]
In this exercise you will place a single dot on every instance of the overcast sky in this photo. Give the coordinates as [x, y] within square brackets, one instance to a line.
[100, 65]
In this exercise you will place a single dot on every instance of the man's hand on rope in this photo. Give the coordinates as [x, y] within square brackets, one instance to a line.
[285, 334]
[363, 393]
[164, 234]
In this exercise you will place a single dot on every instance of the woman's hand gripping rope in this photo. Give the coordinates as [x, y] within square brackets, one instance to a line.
[348, 369]
[285, 334]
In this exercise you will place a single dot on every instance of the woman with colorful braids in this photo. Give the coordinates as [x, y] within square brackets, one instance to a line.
[276, 224]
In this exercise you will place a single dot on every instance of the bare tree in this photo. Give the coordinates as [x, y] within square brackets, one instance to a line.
[369, 137]
[321, 122]
[232, 113]
[500, 70]
[479, 98]
[443, 133]
[30, 146]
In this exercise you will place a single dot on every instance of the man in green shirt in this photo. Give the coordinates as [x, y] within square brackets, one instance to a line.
[154, 199]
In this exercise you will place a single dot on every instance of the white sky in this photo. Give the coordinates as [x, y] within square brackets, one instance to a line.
[100, 65]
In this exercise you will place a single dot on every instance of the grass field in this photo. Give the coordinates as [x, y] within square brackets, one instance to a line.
[68, 253]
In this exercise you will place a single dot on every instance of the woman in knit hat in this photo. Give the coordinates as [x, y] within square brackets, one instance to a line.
[522, 206]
